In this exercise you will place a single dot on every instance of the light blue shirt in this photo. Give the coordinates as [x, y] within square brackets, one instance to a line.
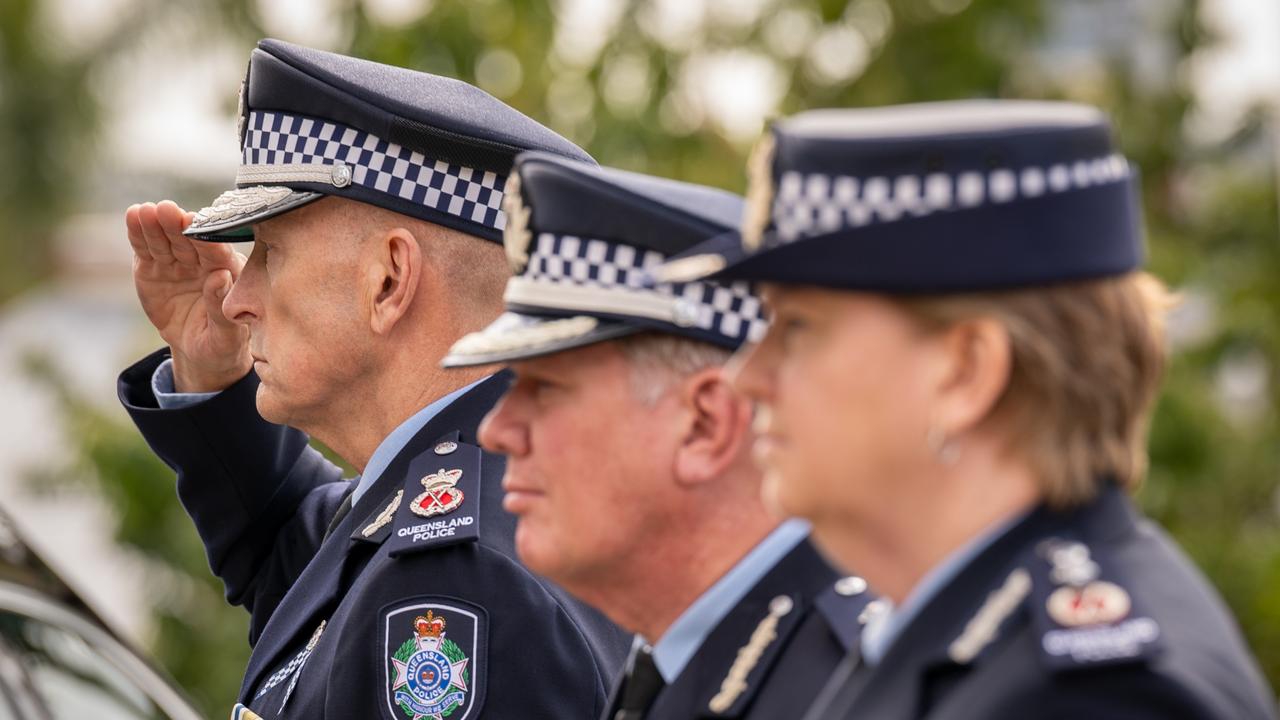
[395, 442]
[884, 627]
[167, 398]
[678, 644]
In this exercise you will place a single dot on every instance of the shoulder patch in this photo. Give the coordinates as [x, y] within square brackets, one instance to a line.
[1084, 616]
[441, 501]
[434, 657]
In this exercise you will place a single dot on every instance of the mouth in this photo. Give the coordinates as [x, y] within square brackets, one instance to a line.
[518, 497]
[765, 449]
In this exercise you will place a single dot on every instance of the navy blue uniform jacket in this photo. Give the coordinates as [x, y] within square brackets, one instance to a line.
[1149, 640]
[799, 649]
[396, 614]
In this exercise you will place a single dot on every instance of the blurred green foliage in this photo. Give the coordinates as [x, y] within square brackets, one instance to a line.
[1211, 214]
[199, 639]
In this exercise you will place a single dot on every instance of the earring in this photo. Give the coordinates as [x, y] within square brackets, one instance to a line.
[946, 451]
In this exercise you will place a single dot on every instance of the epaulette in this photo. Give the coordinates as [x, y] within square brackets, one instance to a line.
[438, 506]
[1081, 611]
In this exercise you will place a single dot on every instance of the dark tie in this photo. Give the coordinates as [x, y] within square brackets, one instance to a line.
[643, 684]
[343, 509]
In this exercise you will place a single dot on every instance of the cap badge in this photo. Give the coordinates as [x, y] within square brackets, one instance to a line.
[341, 175]
[759, 192]
[516, 235]
[441, 496]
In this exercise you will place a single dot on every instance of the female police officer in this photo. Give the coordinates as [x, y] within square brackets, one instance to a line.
[955, 390]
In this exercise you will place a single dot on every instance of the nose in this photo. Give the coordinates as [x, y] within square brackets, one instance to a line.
[752, 370]
[501, 431]
[243, 303]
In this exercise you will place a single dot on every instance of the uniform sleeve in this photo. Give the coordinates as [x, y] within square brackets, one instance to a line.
[1118, 693]
[259, 496]
[531, 657]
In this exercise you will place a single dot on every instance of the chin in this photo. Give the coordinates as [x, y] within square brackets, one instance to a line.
[270, 407]
[534, 551]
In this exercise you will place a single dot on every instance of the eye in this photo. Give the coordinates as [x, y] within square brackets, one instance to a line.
[790, 328]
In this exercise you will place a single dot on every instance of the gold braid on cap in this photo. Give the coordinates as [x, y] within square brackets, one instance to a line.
[759, 192]
[515, 234]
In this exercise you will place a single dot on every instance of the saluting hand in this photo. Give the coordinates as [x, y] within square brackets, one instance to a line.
[181, 285]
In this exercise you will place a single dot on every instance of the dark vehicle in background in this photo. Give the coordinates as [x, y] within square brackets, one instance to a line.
[59, 660]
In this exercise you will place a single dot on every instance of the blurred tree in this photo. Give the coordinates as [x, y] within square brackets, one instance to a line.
[664, 87]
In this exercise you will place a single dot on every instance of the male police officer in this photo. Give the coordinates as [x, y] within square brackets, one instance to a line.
[959, 375]
[372, 195]
[627, 450]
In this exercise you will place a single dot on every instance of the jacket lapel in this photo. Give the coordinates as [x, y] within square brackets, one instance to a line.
[729, 669]
[930, 654]
[334, 569]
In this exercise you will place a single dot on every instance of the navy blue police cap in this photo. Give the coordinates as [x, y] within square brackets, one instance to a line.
[583, 241]
[314, 123]
[933, 197]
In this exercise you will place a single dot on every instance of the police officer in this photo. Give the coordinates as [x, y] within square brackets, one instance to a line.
[957, 381]
[373, 197]
[628, 463]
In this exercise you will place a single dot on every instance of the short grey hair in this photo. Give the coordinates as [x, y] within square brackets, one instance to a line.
[657, 360]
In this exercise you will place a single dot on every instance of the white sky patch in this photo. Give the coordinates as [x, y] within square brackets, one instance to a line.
[175, 118]
[80, 24]
[736, 89]
[314, 23]
[583, 27]
[1243, 68]
[397, 13]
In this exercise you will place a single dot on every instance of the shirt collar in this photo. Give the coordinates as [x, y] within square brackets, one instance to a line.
[400, 437]
[678, 644]
[884, 626]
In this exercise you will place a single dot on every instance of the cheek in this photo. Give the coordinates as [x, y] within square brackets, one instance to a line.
[851, 414]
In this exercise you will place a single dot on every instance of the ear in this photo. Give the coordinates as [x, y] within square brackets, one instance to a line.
[716, 424]
[977, 363]
[393, 269]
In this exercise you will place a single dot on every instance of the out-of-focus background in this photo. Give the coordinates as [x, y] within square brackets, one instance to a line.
[108, 102]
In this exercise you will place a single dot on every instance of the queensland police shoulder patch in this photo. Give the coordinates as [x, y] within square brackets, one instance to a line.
[434, 660]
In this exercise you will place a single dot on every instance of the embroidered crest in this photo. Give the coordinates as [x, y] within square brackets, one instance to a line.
[430, 674]
[442, 494]
[981, 629]
[759, 192]
[241, 202]
[735, 683]
[516, 235]
[385, 516]
[1084, 620]
[1096, 603]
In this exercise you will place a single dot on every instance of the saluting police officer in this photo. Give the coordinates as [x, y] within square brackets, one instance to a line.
[628, 452]
[373, 197]
[958, 378]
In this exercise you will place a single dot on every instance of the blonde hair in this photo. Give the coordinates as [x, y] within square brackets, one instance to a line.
[1088, 357]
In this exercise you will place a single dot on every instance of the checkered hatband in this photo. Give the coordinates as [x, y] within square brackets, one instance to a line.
[813, 204]
[279, 147]
[568, 273]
